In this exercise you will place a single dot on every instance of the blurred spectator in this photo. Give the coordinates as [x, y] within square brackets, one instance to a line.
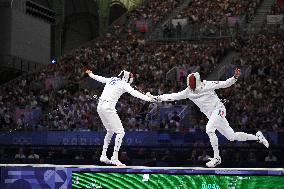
[270, 157]
[79, 156]
[20, 154]
[33, 155]
[199, 143]
[179, 30]
[152, 161]
[168, 158]
[22, 123]
[201, 12]
[237, 160]
[203, 156]
[125, 159]
[277, 8]
[252, 159]
[63, 154]
[193, 156]
[3, 154]
[50, 155]
[175, 122]
[141, 153]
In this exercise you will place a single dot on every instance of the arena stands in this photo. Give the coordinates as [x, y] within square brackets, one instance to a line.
[145, 17]
[198, 20]
[277, 8]
[103, 56]
[199, 12]
[60, 97]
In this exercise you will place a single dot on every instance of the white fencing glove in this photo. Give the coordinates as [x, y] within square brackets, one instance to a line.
[153, 98]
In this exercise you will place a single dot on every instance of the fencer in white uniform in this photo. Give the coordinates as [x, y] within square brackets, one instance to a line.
[203, 94]
[114, 88]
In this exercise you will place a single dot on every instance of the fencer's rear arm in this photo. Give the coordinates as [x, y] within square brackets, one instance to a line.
[99, 78]
[212, 85]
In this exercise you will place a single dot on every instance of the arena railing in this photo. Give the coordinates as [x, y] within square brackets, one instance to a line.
[18, 63]
[25, 66]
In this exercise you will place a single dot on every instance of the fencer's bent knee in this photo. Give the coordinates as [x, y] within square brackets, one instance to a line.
[111, 132]
[231, 137]
[119, 131]
[209, 132]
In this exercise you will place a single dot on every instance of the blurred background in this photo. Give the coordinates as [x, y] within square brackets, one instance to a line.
[48, 115]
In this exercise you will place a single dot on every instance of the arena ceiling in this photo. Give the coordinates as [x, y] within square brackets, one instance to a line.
[128, 4]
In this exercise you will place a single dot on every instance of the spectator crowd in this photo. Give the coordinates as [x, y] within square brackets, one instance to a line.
[67, 97]
[200, 12]
[71, 105]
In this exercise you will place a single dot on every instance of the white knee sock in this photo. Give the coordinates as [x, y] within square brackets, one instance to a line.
[214, 143]
[106, 142]
[241, 136]
[118, 142]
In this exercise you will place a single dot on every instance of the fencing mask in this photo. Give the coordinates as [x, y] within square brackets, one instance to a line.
[126, 76]
[193, 81]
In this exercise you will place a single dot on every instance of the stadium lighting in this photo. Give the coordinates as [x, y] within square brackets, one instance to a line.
[53, 61]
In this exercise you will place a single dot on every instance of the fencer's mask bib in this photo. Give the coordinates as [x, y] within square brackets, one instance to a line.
[194, 82]
[126, 76]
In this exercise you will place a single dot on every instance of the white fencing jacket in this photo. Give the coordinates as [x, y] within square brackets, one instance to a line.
[205, 98]
[115, 87]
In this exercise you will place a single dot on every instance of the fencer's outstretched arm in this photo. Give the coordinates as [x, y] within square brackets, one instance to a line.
[97, 77]
[136, 93]
[174, 96]
[212, 85]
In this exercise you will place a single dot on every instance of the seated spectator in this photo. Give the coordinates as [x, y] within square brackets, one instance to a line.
[179, 30]
[168, 158]
[50, 155]
[3, 154]
[152, 161]
[203, 156]
[277, 8]
[252, 159]
[22, 123]
[237, 160]
[7, 119]
[33, 155]
[79, 156]
[270, 157]
[20, 154]
[175, 122]
[200, 12]
[141, 153]
[125, 159]
[193, 156]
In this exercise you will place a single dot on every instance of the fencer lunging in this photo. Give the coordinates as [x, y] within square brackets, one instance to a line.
[203, 94]
[114, 88]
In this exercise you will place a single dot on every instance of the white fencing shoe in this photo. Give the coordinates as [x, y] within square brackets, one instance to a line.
[214, 162]
[116, 162]
[262, 139]
[105, 160]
